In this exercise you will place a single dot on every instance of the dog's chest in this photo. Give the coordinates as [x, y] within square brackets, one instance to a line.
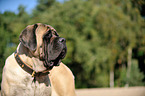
[32, 87]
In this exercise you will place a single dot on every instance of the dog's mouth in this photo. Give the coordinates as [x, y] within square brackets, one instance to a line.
[50, 63]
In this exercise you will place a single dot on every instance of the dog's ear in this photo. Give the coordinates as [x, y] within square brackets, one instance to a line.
[28, 37]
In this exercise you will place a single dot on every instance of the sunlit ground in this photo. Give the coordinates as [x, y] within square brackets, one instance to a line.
[131, 91]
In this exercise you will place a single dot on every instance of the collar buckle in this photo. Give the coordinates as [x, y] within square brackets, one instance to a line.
[33, 74]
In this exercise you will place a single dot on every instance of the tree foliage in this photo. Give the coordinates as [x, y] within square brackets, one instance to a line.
[98, 35]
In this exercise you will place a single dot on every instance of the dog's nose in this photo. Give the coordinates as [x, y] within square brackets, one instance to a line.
[62, 40]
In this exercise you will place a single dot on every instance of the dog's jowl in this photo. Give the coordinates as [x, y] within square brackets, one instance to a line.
[35, 68]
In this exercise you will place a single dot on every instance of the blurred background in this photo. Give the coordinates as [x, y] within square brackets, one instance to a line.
[105, 38]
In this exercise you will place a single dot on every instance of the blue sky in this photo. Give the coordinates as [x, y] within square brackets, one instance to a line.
[12, 5]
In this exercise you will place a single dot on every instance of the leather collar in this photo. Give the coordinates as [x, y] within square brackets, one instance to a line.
[28, 68]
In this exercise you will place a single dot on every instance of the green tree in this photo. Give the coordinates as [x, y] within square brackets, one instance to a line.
[136, 76]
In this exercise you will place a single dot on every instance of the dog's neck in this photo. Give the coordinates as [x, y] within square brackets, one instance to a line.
[28, 58]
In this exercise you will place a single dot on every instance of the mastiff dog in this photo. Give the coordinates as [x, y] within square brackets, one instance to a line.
[35, 68]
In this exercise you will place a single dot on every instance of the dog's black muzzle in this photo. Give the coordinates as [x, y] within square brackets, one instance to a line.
[55, 52]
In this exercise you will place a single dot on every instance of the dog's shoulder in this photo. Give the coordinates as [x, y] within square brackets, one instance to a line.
[62, 80]
[11, 68]
[8, 61]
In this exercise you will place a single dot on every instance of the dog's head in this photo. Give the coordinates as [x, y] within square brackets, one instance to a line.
[44, 43]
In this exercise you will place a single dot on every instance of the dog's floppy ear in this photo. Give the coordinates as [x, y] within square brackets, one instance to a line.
[28, 37]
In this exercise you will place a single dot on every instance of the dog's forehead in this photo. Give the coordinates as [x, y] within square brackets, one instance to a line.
[43, 28]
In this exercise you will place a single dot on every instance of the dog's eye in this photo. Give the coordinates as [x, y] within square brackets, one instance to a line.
[56, 33]
[48, 35]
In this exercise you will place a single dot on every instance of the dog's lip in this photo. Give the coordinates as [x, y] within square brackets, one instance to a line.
[49, 64]
[63, 53]
[59, 58]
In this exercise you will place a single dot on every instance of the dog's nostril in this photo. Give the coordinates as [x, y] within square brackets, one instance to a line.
[62, 40]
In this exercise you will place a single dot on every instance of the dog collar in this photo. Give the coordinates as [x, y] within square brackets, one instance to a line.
[28, 68]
